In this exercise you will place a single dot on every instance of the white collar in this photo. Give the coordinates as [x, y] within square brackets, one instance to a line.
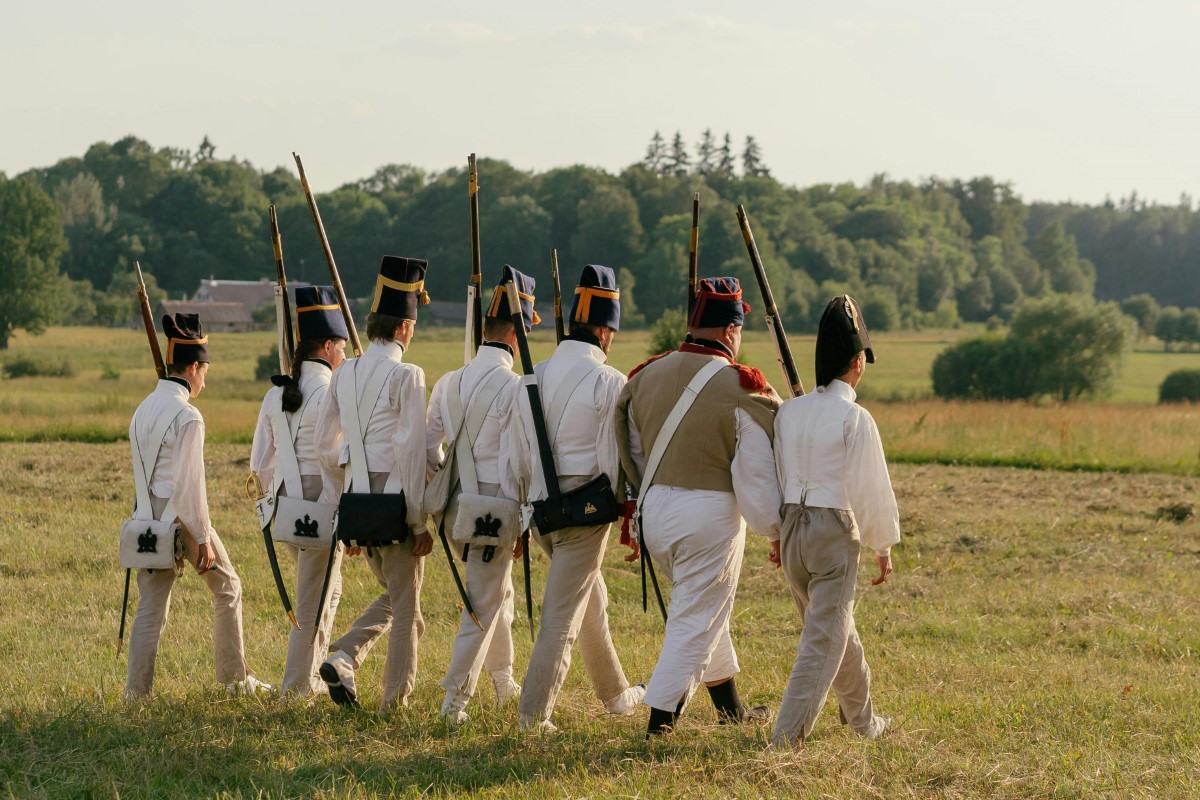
[172, 388]
[494, 355]
[839, 388]
[576, 349]
[392, 350]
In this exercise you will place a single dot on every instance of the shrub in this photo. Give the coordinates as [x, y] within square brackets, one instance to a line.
[267, 365]
[1181, 386]
[668, 332]
[26, 367]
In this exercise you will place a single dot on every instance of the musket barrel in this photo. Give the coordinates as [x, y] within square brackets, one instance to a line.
[333, 270]
[558, 317]
[774, 323]
[148, 322]
[476, 258]
[694, 256]
[287, 344]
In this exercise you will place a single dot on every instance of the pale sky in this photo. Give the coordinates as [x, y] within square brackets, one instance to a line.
[1067, 100]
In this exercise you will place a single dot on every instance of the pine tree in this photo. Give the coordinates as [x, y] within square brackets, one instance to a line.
[677, 160]
[655, 154]
[752, 160]
[706, 151]
[725, 156]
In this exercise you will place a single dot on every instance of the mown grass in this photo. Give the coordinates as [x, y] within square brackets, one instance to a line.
[1037, 640]
[1127, 432]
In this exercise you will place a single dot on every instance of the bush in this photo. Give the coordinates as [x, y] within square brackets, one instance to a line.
[668, 332]
[984, 368]
[26, 367]
[267, 365]
[1181, 386]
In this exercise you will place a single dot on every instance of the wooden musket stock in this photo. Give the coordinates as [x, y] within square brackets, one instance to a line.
[148, 321]
[476, 311]
[287, 346]
[558, 318]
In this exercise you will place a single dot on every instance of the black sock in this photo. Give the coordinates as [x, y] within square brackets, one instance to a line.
[661, 722]
[726, 701]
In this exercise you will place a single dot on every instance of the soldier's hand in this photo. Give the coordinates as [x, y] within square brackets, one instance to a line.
[635, 551]
[773, 554]
[422, 544]
[885, 569]
[519, 548]
[206, 558]
[353, 551]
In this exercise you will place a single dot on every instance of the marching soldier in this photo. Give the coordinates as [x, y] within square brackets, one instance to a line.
[836, 494]
[476, 417]
[385, 398]
[711, 469]
[579, 393]
[298, 398]
[177, 491]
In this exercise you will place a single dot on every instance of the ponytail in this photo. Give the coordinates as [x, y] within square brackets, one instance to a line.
[293, 398]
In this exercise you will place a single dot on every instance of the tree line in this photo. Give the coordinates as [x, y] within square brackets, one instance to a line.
[917, 254]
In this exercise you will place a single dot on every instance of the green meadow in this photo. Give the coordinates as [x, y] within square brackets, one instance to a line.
[1038, 638]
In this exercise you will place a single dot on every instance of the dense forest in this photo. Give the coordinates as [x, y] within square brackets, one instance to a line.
[917, 254]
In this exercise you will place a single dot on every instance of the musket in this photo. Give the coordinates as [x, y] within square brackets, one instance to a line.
[333, 552]
[265, 506]
[694, 256]
[148, 321]
[558, 317]
[283, 309]
[783, 351]
[161, 369]
[333, 270]
[525, 561]
[475, 290]
[462, 591]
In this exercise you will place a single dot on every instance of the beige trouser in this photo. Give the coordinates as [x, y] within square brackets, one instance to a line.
[304, 654]
[398, 609]
[154, 601]
[489, 587]
[575, 606]
[819, 550]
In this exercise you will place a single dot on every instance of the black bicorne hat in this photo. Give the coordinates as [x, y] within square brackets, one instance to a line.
[186, 342]
[597, 298]
[718, 303]
[841, 336]
[400, 287]
[318, 315]
[498, 309]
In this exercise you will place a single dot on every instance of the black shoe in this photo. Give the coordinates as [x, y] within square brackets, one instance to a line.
[338, 692]
[757, 714]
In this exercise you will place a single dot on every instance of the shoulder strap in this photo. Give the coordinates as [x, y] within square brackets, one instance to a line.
[698, 382]
[144, 459]
[556, 405]
[285, 453]
[477, 407]
[356, 415]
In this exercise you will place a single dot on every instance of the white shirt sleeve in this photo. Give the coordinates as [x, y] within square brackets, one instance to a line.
[608, 388]
[262, 450]
[191, 496]
[869, 485]
[329, 446]
[755, 484]
[435, 429]
[407, 396]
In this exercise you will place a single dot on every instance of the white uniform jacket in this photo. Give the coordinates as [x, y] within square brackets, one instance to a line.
[314, 383]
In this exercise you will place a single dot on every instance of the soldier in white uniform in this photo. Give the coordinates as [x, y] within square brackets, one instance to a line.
[177, 485]
[319, 351]
[394, 442]
[716, 469]
[584, 446]
[837, 498]
[489, 573]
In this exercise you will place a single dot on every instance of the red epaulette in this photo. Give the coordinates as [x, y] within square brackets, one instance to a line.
[651, 360]
[752, 378]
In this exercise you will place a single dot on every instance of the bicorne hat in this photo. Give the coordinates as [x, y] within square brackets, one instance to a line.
[841, 335]
[186, 341]
[597, 298]
[718, 303]
[400, 287]
[525, 286]
[318, 315]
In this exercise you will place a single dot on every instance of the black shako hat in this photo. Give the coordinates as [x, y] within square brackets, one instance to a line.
[597, 298]
[186, 341]
[525, 286]
[400, 287]
[841, 335]
[718, 303]
[318, 315]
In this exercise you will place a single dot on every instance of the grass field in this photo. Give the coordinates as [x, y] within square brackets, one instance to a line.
[1127, 431]
[1037, 640]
